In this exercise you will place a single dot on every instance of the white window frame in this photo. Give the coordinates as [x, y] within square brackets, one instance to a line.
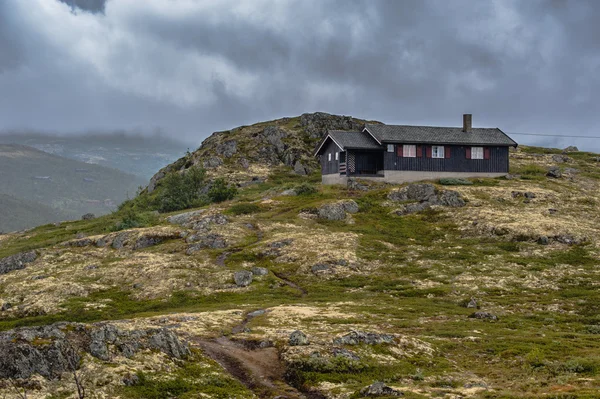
[409, 151]
[329, 157]
[437, 151]
[337, 156]
[390, 148]
[477, 153]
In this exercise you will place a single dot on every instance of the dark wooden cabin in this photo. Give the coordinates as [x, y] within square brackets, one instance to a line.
[398, 153]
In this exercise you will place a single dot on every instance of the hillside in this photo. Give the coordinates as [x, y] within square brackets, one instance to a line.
[133, 154]
[70, 187]
[18, 214]
[292, 289]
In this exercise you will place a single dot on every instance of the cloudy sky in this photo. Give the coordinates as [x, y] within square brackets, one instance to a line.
[190, 67]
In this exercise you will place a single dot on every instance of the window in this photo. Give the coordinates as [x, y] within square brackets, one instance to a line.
[409, 151]
[437, 151]
[476, 152]
[390, 148]
[337, 156]
[329, 157]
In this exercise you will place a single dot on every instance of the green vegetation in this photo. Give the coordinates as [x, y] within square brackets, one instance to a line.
[181, 191]
[244, 208]
[455, 182]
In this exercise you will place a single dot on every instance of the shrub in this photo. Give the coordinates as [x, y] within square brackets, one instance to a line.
[244, 209]
[305, 189]
[221, 191]
[455, 182]
[132, 219]
[532, 170]
[181, 191]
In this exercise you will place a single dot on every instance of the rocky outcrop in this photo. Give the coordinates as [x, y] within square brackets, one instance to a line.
[362, 337]
[227, 149]
[298, 338]
[204, 241]
[54, 349]
[554, 172]
[424, 196]
[483, 316]
[380, 389]
[242, 278]
[337, 210]
[17, 261]
[186, 219]
[318, 123]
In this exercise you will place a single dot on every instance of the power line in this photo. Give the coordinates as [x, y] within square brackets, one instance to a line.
[556, 135]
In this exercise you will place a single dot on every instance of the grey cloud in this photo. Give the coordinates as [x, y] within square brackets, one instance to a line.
[522, 66]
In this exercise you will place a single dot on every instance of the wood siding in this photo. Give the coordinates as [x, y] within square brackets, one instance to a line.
[365, 162]
[457, 162]
[333, 166]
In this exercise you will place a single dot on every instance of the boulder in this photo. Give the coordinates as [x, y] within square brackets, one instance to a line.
[185, 219]
[320, 268]
[543, 240]
[361, 337]
[203, 241]
[472, 304]
[242, 278]
[451, 198]
[380, 389]
[554, 172]
[300, 169]
[289, 192]
[212, 162]
[560, 158]
[333, 211]
[120, 240]
[298, 338]
[349, 206]
[341, 352]
[260, 271]
[414, 192]
[17, 261]
[571, 148]
[315, 124]
[483, 316]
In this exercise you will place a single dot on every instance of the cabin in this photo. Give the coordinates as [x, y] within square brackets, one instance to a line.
[400, 154]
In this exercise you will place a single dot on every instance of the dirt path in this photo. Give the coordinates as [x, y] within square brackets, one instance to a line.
[290, 283]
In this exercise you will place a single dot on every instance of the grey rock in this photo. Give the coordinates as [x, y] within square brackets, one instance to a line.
[451, 198]
[273, 135]
[349, 206]
[569, 239]
[298, 338]
[242, 278]
[361, 337]
[260, 271]
[341, 352]
[414, 192]
[167, 342]
[204, 223]
[543, 240]
[333, 211]
[380, 389]
[227, 149]
[212, 162]
[119, 240]
[203, 241]
[256, 313]
[554, 172]
[100, 242]
[571, 148]
[560, 158]
[185, 219]
[300, 169]
[552, 211]
[148, 240]
[88, 216]
[472, 304]
[130, 380]
[289, 192]
[413, 208]
[320, 268]
[6, 306]
[17, 261]
[483, 316]
[81, 242]
[243, 162]
[316, 124]
[281, 243]
[570, 171]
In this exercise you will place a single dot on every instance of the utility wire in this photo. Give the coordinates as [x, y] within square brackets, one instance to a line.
[555, 135]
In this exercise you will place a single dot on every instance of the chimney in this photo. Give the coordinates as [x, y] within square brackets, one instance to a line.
[467, 123]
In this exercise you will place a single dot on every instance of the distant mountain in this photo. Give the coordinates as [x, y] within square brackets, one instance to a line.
[135, 154]
[18, 214]
[71, 188]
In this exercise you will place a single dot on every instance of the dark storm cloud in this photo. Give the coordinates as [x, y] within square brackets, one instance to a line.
[87, 5]
[191, 67]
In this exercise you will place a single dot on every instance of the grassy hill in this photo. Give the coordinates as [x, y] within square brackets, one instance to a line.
[70, 187]
[497, 298]
[18, 214]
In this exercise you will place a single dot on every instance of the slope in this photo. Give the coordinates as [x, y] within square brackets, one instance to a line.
[496, 297]
[71, 187]
[19, 214]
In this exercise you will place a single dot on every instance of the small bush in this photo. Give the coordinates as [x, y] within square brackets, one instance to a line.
[182, 191]
[593, 329]
[455, 182]
[531, 170]
[221, 191]
[244, 209]
[133, 219]
[305, 189]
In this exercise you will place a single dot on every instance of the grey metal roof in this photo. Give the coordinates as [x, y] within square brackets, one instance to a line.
[353, 140]
[438, 135]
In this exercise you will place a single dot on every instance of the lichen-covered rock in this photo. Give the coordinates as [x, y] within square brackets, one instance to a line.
[571, 148]
[350, 206]
[298, 338]
[425, 196]
[380, 389]
[17, 261]
[362, 337]
[451, 198]
[120, 240]
[88, 216]
[227, 149]
[185, 219]
[337, 210]
[341, 352]
[483, 316]
[554, 172]
[260, 271]
[317, 123]
[212, 162]
[54, 349]
[560, 158]
[203, 241]
[320, 268]
[413, 192]
[242, 278]
[149, 239]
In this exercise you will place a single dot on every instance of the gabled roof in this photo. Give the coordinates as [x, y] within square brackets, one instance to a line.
[349, 140]
[438, 135]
